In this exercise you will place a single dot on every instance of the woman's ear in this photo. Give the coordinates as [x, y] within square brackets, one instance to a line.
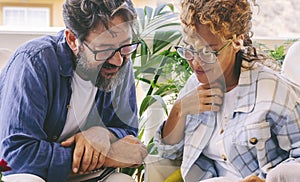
[71, 40]
[238, 43]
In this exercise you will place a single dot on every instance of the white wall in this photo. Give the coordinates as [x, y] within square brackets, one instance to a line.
[13, 38]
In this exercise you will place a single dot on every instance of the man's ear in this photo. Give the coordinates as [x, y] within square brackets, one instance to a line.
[71, 40]
[238, 43]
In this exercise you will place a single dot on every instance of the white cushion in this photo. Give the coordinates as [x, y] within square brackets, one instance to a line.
[157, 169]
[22, 177]
[291, 64]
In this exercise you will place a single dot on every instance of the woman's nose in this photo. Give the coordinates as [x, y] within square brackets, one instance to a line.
[197, 61]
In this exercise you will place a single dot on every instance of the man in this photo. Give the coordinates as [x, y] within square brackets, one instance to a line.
[67, 102]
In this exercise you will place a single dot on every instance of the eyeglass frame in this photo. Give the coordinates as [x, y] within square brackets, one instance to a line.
[216, 53]
[95, 52]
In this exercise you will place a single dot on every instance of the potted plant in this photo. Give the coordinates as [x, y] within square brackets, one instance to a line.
[157, 65]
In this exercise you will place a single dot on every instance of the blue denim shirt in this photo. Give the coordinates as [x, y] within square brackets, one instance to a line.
[35, 90]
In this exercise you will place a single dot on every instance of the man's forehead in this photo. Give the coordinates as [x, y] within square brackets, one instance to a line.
[118, 26]
[118, 31]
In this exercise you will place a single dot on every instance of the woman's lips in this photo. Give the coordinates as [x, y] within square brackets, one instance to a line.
[199, 72]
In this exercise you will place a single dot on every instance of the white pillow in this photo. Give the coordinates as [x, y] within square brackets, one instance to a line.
[291, 64]
[24, 177]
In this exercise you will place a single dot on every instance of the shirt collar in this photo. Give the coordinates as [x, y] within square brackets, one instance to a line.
[247, 90]
[65, 56]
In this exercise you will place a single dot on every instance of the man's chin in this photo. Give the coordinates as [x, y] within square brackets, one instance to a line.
[107, 82]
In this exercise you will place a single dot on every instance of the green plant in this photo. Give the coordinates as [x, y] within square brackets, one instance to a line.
[157, 64]
[159, 30]
[278, 52]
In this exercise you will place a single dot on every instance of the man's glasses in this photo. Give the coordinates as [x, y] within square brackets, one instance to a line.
[104, 55]
[205, 55]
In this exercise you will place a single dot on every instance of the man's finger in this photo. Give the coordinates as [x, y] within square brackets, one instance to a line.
[77, 156]
[67, 143]
[101, 161]
[86, 159]
[94, 162]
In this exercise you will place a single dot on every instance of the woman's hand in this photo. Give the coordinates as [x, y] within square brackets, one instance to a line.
[203, 98]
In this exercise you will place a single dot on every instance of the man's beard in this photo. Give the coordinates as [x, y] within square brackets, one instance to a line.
[94, 75]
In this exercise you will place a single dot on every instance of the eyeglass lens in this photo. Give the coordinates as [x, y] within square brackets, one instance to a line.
[123, 50]
[204, 54]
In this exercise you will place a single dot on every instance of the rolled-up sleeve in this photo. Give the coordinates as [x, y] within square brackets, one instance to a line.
[167, 151]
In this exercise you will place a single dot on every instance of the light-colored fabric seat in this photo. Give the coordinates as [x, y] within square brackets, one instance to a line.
[157, 169]
[290, 67]
[4, 56]
[22, 177]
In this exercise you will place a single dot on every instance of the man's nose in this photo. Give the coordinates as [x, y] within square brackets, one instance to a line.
[116, 59]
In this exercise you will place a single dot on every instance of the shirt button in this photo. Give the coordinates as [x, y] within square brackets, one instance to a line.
[69, 106]
[253, 140]
[224, 157]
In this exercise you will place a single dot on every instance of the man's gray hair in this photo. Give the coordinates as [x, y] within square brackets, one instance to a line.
[82, 16]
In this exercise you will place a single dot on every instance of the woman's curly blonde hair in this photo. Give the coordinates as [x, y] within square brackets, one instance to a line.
[227, 19]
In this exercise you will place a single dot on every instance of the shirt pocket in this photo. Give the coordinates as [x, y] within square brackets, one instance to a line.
[253, 135]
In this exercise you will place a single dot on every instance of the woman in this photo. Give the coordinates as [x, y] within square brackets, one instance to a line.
[235, 119]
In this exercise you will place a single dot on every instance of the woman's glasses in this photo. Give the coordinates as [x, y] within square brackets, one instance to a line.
[205, 55]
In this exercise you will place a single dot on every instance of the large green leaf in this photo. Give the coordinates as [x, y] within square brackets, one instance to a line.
[143, 80]
[168, 21]
[148, 12]
[152, 62]
[162, 17]
[164, 38]
[166, 89]
[149, 100]
[145, 52]
[141, 17]
[160, 8]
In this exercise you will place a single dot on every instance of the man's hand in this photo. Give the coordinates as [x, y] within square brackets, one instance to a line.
[91, 148]
[126, 152]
